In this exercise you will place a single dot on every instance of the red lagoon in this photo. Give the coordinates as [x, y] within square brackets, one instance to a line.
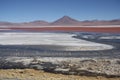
[81, 29]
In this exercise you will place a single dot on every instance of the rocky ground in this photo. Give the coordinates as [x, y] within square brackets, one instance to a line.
[70, 66]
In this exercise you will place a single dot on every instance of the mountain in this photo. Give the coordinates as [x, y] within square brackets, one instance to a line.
[65, 20]
[99, 23]
[7, 23]
[24, 24]
[36, 23]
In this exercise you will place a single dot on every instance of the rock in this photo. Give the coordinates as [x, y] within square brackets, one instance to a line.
[38, 67]
[61, 70]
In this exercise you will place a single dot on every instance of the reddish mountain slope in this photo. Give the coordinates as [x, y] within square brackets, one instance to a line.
[65, 20]
[36, 23]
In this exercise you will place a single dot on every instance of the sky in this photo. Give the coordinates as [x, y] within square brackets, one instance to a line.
[51, 10]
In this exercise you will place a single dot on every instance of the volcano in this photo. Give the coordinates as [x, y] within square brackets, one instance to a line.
[66, 20]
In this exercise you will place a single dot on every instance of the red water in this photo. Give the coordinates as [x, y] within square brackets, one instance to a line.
[84, 29]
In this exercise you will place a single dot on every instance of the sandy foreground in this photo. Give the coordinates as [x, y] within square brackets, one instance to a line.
[30, 74]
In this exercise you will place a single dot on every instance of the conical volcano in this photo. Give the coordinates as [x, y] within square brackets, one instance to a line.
[65, 20]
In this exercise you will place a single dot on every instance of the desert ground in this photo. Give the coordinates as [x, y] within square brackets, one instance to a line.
[30, 74]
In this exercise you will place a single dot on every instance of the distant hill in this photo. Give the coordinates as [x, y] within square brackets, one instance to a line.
[99, 23]
[64, 21]
[36, 23]
[7, 23]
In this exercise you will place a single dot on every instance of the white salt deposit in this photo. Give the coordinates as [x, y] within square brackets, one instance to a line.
[58, 39]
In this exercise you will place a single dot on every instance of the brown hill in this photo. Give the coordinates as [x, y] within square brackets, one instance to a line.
[36, 23]
[99, 23]
[65, 20]
[7, 23]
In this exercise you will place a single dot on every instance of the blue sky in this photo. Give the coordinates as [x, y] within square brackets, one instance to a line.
[50, 10]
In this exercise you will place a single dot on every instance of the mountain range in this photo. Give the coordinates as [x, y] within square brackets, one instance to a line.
[64, 21]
